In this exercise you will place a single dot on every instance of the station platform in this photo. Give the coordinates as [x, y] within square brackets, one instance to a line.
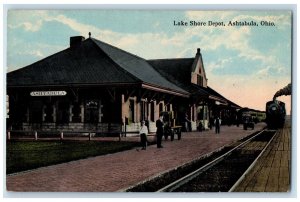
[118, 171]
[272, 171]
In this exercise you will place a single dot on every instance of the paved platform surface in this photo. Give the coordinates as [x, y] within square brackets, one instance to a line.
[115, 172]
[272, 171]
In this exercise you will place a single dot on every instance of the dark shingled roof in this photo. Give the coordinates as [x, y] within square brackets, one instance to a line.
[85, 64]
[214, 93]
[91, 62]
[179, 71]
[176, 70]
[137, 66]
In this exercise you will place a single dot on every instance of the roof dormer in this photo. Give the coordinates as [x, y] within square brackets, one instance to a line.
[198, 75]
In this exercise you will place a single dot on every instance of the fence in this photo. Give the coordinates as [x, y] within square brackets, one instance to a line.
[60, 134]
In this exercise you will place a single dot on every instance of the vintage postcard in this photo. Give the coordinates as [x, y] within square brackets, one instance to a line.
[104, 100]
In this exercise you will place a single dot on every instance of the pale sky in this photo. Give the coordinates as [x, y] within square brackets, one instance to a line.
[246, 64]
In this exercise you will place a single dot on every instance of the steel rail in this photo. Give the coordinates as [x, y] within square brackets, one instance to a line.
[174, 185]
[251, 166]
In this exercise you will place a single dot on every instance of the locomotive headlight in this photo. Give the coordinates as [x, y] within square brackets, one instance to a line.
[273, 109]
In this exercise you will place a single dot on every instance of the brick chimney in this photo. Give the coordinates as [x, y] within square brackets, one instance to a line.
[198, 51]
[76, 40]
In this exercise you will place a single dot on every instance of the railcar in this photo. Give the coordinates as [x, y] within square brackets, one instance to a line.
[257, 116]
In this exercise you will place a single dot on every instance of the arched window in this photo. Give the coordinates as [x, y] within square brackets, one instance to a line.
[91, 111]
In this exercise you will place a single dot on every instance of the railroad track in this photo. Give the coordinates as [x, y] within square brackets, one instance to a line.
[223, 173]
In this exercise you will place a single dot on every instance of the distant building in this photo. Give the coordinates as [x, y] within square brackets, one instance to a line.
[93, 86]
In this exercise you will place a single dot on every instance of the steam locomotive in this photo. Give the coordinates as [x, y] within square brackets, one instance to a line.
[275, 114]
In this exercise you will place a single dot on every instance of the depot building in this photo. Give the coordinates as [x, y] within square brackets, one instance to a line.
[94, 86]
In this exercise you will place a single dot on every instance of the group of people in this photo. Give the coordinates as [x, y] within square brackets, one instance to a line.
[160, 131]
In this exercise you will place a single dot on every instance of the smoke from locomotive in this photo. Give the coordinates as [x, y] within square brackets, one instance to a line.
[287, 90]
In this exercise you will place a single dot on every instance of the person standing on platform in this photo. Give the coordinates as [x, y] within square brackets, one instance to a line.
[187, 123]
[159, 131]
[143, 135]
[217, 124]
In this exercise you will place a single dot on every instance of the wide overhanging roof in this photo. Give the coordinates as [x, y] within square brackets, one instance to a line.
[93, 62]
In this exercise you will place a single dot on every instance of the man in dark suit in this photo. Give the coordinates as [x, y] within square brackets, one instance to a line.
[217, 124]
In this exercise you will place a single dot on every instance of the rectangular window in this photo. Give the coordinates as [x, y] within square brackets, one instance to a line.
[146, 110]
[63, 110]
[76, 111]
[142, 103]
[193, 113]
[36, 112]
[152, 111]
[48, 110]
[199, 80]
[160, 107]
[168, 107]
[131, 111]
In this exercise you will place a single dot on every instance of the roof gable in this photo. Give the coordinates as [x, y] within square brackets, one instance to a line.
[179, 71]
[198, 71]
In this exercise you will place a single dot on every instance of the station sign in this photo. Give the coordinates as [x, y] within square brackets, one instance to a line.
[48, 93]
